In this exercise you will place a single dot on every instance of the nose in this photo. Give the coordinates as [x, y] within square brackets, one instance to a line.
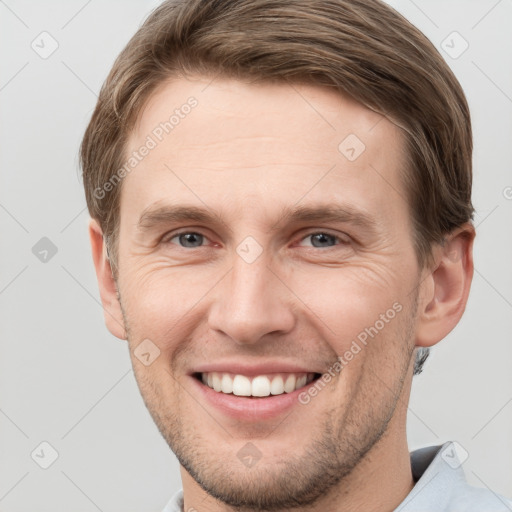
[251, 302]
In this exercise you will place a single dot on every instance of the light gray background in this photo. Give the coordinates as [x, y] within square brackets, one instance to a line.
[65, 380]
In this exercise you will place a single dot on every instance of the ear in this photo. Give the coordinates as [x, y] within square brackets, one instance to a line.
[445, 287]
[106, 282]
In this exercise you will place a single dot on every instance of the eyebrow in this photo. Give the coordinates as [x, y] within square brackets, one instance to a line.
[335, 213]
[151, 216]
[327, 213]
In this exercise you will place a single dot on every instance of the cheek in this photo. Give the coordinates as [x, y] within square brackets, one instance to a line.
[160, 302]
[360, 319]
[346, 300]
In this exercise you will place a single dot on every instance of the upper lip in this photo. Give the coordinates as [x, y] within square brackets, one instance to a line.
[252, 370]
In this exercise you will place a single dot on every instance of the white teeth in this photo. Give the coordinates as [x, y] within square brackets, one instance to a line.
[241, 386]
[261, 385]
[301, 381]
[277, 386]
[289, 384]
[226, 384]
[217, 383]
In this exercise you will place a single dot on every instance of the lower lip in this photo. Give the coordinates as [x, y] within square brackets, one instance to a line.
[251, 409]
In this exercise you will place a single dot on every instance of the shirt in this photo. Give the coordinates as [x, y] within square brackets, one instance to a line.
[440, 486]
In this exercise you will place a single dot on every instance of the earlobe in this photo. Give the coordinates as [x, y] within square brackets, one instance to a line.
[445, 289]
[106, 282]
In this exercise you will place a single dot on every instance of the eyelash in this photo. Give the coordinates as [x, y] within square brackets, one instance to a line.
[340, 240]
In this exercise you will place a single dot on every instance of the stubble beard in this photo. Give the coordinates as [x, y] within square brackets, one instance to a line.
[297, 480]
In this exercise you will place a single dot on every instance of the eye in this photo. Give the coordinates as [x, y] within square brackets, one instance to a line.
[187, 239]
[321, 240]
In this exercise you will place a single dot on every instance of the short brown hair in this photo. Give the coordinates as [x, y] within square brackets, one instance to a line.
[363, 48]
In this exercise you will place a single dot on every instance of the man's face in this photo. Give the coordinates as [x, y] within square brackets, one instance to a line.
[261, 285]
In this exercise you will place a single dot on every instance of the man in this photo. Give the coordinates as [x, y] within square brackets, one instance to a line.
[280, 194]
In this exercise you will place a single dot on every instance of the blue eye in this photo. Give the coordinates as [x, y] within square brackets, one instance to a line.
[323, 240]
[318, 240]
[189, 239]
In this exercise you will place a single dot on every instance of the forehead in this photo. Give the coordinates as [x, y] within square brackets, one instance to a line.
[262, 139]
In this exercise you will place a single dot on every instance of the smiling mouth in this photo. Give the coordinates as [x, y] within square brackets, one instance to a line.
[259, 386]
